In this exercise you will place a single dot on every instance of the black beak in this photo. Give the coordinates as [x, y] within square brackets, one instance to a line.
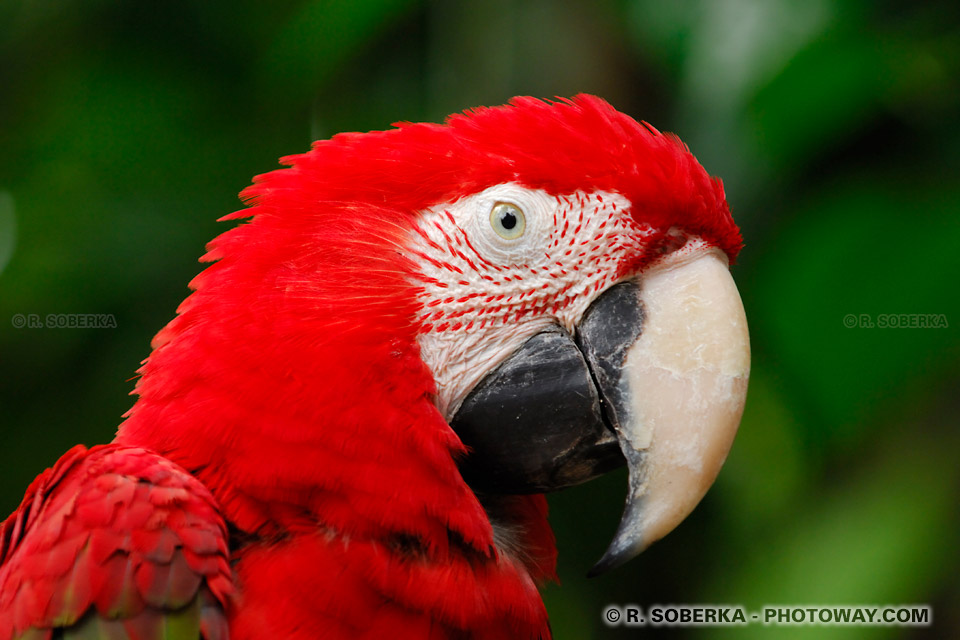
[655, 376]
[543, 420]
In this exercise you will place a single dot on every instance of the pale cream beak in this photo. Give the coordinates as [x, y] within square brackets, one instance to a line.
[686, 381]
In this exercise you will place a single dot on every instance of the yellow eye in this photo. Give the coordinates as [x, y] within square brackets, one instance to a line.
[507, 220]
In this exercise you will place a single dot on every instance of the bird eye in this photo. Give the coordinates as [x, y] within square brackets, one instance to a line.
[507, 220]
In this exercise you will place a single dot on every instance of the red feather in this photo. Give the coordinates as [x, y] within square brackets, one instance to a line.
[291, 386]
[69, 550]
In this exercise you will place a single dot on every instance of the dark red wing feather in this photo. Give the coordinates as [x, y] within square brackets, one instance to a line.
[119, 539]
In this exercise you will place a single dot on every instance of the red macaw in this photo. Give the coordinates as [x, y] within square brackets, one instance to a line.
[347, 429]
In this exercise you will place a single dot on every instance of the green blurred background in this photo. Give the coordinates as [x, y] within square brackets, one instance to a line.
[127, 128]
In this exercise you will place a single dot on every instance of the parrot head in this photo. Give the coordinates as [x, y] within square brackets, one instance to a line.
[417, 321]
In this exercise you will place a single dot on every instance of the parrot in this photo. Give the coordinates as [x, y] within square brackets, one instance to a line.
[405, 341]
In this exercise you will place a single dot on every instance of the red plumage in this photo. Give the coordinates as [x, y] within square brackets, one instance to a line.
[117, 530]
[290, 387]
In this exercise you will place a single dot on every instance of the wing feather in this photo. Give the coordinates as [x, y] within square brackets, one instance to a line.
[114, 542]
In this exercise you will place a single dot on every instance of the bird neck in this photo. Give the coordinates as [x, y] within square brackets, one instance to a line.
[302, 402]
[288, 439]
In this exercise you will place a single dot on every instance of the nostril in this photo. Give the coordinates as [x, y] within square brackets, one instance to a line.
[671, 241]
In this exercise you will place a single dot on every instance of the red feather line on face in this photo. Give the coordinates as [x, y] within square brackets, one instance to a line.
[538, 285]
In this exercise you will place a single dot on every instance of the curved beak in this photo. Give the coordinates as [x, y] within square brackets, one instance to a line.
[678, 397]
[656, 375]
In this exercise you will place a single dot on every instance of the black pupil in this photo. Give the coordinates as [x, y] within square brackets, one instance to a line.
[508, 220]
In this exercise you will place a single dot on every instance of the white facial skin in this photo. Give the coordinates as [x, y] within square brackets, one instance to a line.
[485, 294]
[489, 286]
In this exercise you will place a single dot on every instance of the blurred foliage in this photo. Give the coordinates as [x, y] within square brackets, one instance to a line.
[127, 127]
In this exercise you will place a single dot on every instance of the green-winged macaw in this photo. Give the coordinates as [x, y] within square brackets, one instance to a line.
[347, 429]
